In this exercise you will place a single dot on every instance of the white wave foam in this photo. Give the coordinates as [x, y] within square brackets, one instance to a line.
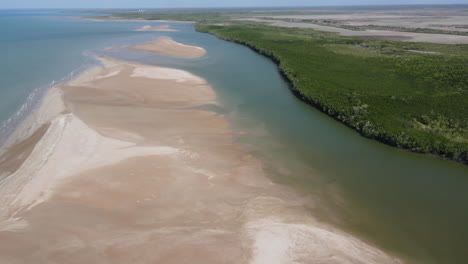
[20, 125]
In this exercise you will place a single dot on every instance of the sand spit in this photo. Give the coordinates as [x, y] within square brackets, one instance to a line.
[166, 46]
[160, 28]
[128, 175]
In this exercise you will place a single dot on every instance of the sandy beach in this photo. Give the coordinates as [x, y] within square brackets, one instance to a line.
[126, 166]
[167, 46]
[164, 28]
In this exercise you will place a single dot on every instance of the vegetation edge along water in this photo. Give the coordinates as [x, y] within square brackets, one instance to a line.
[414, 98]
[432, 119]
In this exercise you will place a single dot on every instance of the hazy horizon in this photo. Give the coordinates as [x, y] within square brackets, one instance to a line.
[91, 4]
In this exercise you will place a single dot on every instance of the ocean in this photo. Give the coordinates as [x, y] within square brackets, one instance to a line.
[39, 48]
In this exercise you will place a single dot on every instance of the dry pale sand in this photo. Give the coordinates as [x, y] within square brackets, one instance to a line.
[133, 172]
[167, 46]
[151, 28]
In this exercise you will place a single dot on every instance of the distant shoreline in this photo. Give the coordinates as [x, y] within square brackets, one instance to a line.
[110, 18]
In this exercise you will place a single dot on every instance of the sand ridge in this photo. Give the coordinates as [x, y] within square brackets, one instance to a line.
[167, 46]
[135, 172]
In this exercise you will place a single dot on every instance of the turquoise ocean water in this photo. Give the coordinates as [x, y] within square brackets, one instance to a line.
[411, 205]
[40, 47]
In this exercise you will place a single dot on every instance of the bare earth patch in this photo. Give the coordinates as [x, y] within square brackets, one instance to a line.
[389, 37]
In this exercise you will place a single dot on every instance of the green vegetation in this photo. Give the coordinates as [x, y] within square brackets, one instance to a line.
[408, 95]
[337, 24]
[383, 89]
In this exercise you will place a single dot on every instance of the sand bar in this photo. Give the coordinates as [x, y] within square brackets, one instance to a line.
[167, 46]
[133, 172]
[164, 28]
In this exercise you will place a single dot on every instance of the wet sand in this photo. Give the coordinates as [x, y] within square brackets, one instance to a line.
[14, 157]
[166, 46]
[160, 28]
[133, 171]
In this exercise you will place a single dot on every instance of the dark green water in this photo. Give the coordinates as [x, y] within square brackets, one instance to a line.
[411, 205]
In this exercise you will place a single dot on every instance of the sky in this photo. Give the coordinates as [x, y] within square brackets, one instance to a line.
[5, 4]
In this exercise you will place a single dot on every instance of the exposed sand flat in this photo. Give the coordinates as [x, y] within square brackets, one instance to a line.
[166, 46]
[160, 28]
[425, 52]
[134, 173]
[373, 34]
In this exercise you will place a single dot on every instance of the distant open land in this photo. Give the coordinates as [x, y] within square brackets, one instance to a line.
[395, 74]
[406, 23]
